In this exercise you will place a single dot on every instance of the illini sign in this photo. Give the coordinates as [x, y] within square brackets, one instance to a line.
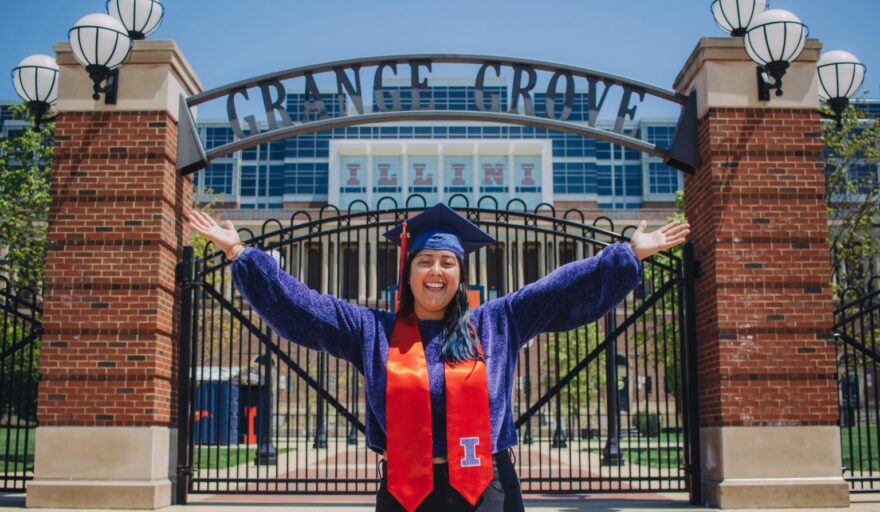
[265, 98]
[438, 170]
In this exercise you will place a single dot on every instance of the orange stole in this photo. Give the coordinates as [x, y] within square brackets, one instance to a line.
[408, 421]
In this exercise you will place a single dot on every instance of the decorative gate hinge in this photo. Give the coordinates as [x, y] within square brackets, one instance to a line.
[178, 271]
[185, 470]
[179, 277]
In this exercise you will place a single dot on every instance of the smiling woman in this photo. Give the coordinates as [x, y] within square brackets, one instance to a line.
[434, 279]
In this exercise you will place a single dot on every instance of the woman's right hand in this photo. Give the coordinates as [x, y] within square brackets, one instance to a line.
[225, 238]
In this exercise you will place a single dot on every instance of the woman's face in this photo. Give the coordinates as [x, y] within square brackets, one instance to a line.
[433, 279]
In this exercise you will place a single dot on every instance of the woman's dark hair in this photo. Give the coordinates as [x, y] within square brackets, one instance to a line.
[458, 344]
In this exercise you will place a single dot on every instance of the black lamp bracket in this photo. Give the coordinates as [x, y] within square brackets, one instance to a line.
[110, 80]
[772, 71]
[38, 110]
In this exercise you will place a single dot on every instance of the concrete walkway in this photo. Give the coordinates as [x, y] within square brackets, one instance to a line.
[538, 503]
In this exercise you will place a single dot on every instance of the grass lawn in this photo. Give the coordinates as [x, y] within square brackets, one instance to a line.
[660, 457]
[14, 454]
[854, 443]
[653, 456]
[672, 438]
[213, 457]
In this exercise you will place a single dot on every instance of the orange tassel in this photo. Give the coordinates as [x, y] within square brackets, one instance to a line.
[403, 238]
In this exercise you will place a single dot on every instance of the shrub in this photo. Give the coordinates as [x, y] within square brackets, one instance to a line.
[648, 423]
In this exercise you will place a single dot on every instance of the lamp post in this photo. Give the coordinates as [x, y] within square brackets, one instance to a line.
[266, 453]
[101, 44]
[840, 76]
[353, 431]
[320, 421]
[36, 82]
[611, 452]
[734, 16]
[773, 40]
[140, 17]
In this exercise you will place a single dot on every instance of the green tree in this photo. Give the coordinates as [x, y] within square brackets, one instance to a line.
[852, 153]
[25, 175]
[221, 329]
[206, 200]
[670, 356]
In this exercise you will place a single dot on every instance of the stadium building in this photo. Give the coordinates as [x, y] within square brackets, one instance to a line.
[526, 165]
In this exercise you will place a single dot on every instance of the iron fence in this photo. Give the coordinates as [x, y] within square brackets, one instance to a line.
[857, 336]
[599, 408]
[19, 374]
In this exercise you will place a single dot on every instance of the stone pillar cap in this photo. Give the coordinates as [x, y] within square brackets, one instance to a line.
[729, 49]
[723, 75]
[152, 78]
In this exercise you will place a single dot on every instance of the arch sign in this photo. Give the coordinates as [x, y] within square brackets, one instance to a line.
[518, 107]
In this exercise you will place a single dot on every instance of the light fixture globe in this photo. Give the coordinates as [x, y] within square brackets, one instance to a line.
[36, 79]
[735, 16]
[99, 42]
[775, 39]
[36, 82]
[140, 17]
[840, 76]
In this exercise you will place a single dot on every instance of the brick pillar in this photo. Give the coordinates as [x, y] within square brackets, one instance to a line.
[768, 398]
[116, 231]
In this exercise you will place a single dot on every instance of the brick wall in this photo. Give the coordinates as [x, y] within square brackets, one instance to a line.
[759, 227]
[116, 232]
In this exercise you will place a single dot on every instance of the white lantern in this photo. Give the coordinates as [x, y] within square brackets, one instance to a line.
[36, 79]
[775, 39]
[140, 17]
[36, 82]
[100, 43]
[735, 16]
[840, 75]
[99, 40]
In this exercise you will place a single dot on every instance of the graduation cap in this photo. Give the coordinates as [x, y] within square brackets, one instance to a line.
[438, 227]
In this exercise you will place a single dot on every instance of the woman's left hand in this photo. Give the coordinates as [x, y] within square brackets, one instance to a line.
[645, 245]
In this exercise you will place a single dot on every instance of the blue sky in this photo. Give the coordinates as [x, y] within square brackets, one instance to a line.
[229, 40]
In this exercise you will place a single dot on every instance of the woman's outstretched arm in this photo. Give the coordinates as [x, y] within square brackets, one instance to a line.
[293, 310]
[583, 291]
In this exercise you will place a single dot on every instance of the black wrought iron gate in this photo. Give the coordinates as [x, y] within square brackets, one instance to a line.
[857, 342]
[264, 415]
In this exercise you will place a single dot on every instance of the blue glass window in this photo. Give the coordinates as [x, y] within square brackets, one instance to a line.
[305, 178]
[217, 136]
[603, 180]
[276, 181]
[574, 178]
[248, 180]
[662, 179]
[864, 176]
[218, 178]
[661, 135]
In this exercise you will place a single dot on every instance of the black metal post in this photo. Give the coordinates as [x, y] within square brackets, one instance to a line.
[353, 431]
[559, 437]
[184, 468]
[527, 436]
[266, 453]
[320, 426]
[611, 452]
[691, 385]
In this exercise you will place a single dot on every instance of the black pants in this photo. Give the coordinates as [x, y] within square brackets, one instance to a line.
[502, 495]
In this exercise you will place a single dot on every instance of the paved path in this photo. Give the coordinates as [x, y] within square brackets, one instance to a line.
[536, 503]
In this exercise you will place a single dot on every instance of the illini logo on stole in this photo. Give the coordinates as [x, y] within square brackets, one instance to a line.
[470, 451]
